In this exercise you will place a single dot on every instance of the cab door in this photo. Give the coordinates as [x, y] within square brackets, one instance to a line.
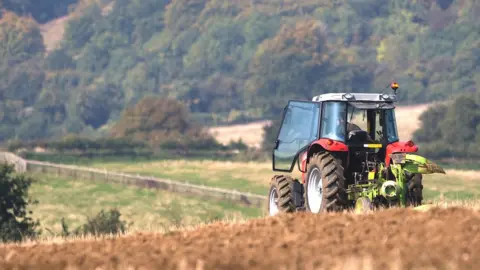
[300, 127]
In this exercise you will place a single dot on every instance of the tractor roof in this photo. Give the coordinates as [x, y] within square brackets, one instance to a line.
[357, 97]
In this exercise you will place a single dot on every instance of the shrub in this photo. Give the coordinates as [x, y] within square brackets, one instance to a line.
[104, 223]
[238, 145]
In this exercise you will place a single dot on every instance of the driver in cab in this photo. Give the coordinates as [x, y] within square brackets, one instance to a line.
[350, 127]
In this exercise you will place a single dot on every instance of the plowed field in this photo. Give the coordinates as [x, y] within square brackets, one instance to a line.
[392, 239]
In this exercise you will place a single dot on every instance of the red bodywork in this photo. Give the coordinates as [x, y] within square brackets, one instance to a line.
[327, 144]
[335, 146]
[399, 147]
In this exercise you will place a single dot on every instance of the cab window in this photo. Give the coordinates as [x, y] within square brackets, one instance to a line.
[333, 121]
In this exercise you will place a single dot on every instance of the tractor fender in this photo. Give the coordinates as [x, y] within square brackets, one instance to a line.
[320, 146]
[399, 147]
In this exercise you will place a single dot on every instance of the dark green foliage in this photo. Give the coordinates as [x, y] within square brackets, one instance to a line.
[451, 131]
[228, 61]
[79, 30]
[77, 143]
[431, 120]
[270, 135]
[104, 223]
[238, 145]
[59, 59]
[20, 39]
[42, 11]
[15, 222]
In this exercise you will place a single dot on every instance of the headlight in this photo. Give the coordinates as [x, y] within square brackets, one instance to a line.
[385, 96]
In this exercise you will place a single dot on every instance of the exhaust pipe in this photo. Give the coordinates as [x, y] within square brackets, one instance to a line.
[390, 190]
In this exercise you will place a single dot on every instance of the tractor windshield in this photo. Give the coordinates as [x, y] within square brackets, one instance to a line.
[379, 124]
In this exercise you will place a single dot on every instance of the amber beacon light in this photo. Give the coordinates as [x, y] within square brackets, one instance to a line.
[394, 85]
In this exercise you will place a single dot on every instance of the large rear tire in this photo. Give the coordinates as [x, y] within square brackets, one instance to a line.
[325, 184]
[285, 195]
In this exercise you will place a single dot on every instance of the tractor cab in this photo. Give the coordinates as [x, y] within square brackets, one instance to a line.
[360, 125]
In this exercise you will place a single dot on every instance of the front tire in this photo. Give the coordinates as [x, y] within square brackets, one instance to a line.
[325, 184]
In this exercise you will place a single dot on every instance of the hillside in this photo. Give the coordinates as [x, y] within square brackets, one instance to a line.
[228, 62]
[439, 239]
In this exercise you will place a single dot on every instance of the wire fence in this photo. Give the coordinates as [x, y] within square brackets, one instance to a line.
[104, 176]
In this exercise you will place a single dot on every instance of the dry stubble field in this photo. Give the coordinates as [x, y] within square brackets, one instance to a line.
[441, 238]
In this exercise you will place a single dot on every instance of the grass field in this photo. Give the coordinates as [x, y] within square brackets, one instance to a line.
[254, 176]
[148, 209]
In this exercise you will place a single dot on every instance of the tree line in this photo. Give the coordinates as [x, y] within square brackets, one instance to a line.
[225, 62]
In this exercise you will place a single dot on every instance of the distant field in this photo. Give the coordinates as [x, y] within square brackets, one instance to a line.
[255, 176]
[148, 209]
[252, 133]
[407, 119]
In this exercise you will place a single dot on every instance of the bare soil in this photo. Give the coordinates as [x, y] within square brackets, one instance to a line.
[393, 239]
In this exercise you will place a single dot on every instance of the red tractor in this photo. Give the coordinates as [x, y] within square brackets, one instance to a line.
[344, 166]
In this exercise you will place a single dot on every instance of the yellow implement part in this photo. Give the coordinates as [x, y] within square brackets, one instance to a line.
[373, 145]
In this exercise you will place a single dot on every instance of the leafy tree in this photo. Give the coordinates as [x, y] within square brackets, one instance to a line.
[20, 39]
[80, 29]
[42, 11]
[15, 222]
[451, 130]
[288, 61]
[156, 120]
[431, 119]
[59, 60]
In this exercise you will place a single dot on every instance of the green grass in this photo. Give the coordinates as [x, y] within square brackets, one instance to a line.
[255, 176]
[76, 199]
[242, 176]
[455, 185]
